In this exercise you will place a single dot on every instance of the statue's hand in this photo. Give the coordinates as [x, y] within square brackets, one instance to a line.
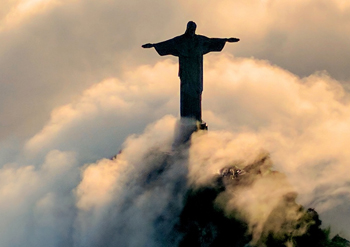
[148, 45]
[232, 40]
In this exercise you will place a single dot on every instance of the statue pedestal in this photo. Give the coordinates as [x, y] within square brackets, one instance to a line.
[184, 128]
[203, 126]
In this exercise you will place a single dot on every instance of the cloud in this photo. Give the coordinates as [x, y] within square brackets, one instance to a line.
[69, 45]
[302, 122]
[49, 58]
[99, 120]
[285, 112]
[49, 203]
[25, 9]
[300, 36]
[73, 79]
[121, 193]
[251, 107]
[36, 203]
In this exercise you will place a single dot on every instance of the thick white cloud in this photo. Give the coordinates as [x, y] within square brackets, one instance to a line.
[37, 206]
[98, 122]
[115, 194]
[250, 106]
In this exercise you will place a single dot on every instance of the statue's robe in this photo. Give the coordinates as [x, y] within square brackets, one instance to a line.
[190, 50]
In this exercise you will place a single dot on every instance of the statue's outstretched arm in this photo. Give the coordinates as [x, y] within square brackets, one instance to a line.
[148, 45]
[232, 40]
[163, 48]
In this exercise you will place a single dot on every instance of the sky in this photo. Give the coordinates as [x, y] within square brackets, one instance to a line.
[75, 83]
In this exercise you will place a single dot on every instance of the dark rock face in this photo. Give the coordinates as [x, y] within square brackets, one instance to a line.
[338, 241]
[203, 223]
[193, 216]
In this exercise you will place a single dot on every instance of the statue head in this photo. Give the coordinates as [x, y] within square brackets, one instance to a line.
[191, 28]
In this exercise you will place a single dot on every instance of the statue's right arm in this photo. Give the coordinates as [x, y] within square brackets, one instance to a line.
[232, 40]
[163, 48]
[148, 45]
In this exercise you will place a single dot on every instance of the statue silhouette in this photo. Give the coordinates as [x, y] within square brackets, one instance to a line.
[190, 48]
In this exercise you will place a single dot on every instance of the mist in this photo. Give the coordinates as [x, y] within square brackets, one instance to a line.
[65, 188]
[77, 89]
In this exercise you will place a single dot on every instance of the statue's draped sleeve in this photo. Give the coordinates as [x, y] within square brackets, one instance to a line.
[167, 47]
[213, 44]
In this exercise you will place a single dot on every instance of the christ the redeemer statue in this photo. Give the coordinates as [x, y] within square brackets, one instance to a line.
[190, 48]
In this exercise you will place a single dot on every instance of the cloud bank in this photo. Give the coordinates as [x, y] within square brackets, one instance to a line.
[59, 48]
[75, 86]
[55, 183]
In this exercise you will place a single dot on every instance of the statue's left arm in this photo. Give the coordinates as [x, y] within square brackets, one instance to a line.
[232, 40]
[216, 44]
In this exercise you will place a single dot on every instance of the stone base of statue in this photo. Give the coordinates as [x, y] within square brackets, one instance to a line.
[184, 128]
[203, 126]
